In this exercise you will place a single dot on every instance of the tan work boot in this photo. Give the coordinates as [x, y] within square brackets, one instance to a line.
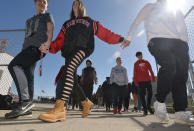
[58, 113]
[87, 106]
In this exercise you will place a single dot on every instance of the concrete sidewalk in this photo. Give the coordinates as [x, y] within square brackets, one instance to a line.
[97, 121]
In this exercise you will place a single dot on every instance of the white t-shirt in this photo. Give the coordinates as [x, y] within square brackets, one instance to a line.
[161, 22]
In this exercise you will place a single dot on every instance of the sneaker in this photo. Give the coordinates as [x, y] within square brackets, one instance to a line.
[115, 111]
[120, 111]
[27, 114]
[126, 111]
[151, 111]
[20, 110]
[184, 117]
[160, 111]
[135, 109]
[108, 109]
[139, 110]
[145, 112]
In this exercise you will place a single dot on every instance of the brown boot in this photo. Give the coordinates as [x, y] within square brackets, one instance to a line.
[87, 106]
[58, 113]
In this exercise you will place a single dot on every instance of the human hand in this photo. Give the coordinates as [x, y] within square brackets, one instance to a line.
[125, 43]
[47, 44]
[44, 48]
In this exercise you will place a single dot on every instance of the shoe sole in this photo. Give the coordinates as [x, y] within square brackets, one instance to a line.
[52, 121]
[21, 114]
[25, 115]
[91, 106]
[162, 120]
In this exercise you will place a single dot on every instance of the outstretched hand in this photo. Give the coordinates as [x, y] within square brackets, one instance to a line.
[44, 48]
[125, 43]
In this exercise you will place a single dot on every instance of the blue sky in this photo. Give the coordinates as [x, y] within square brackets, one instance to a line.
[116, 15]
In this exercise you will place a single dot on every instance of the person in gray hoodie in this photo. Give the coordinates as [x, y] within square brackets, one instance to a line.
[119, 81]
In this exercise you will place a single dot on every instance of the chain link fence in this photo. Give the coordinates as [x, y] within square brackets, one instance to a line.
[8, 49]
[5, 78]
[189, 19]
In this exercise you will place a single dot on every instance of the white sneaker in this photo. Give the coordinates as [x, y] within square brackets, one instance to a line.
[160, 111]
[184, 117]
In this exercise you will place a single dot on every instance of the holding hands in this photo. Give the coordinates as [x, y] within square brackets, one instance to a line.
[125, 43]
[44, 48]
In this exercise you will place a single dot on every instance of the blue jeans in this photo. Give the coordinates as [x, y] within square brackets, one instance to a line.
[59, 89]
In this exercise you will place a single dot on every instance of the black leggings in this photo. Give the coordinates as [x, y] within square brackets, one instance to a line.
[71, 65]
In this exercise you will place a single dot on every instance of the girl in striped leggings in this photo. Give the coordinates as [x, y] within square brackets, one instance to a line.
[76, 42]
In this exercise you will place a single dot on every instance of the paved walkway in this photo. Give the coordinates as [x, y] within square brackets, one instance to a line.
[97, 121]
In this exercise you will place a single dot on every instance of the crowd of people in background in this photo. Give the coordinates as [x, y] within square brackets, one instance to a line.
[116, 92]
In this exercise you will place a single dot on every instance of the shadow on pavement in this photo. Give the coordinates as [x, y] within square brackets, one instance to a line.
[163, 127]
[22, 122]
[97, 116]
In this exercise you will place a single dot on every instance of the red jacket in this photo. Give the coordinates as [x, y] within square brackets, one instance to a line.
[100, 31]
[141, 72]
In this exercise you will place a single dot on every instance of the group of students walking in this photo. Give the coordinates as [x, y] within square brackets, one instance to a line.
[141, 86]
[167, 41]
